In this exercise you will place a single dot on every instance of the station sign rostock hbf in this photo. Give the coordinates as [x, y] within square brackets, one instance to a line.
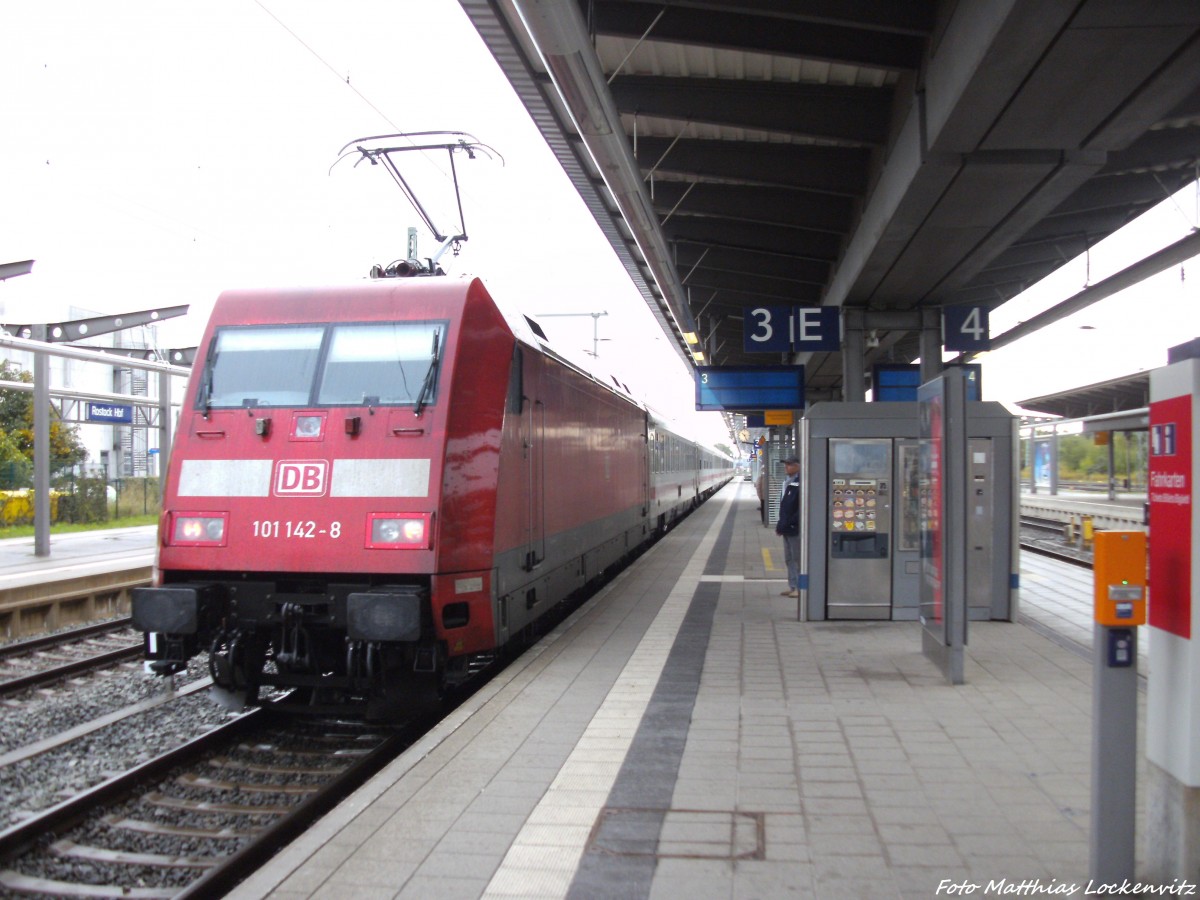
[110, 413]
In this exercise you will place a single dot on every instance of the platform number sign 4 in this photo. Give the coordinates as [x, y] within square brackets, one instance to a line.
[965, 328]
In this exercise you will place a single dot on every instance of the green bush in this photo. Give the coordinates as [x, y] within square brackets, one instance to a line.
[84, 500]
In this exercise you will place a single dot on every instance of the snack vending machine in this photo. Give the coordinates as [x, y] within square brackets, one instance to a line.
[860, 525]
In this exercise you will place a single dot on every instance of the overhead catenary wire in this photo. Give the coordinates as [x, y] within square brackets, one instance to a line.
[345, 80]
[360, 95]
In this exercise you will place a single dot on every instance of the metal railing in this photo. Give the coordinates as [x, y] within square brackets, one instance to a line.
[42, 393]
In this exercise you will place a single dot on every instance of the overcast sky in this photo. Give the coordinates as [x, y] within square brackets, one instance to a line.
[154, 154]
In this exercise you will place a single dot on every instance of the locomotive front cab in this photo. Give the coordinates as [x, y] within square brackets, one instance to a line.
[298, 543]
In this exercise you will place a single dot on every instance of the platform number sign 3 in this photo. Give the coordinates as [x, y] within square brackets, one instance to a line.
[786, 329]
[965, 328]
[766, 329]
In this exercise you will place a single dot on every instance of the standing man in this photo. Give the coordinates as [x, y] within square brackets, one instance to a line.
[788, 524]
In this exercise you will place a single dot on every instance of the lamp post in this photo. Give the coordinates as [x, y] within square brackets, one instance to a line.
[595, 316]
[593, 352]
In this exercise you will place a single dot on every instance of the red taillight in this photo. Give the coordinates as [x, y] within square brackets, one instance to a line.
[198, 530]
[399, 531]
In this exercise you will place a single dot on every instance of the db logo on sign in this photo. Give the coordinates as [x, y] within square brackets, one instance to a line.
[301, 479]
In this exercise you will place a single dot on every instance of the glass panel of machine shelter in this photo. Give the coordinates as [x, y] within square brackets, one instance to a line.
[373, 364]
[908, 511]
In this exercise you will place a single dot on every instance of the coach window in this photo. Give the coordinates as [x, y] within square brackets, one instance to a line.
[261, 366]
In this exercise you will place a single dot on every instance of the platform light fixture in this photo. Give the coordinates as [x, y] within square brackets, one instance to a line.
[691, 337]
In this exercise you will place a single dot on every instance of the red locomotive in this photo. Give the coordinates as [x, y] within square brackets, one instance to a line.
[376, 487]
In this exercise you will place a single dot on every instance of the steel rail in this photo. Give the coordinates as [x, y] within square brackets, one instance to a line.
[220, 879]
[28, 645]
[17, 838]
[219, 873]
[46, 676]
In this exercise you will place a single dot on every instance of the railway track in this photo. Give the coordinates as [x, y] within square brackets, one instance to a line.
[53, 657]
[196, 820]
[1045, 537]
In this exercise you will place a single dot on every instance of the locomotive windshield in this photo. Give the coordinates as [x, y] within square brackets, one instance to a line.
[367, 364]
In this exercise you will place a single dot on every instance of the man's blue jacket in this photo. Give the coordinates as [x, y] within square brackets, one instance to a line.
[789, 509]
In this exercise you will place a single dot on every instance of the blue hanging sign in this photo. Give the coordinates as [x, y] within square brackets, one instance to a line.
[749, 387]
[109, 412]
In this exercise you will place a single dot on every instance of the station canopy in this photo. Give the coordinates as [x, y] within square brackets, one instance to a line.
[1127, 394]
[871, 154]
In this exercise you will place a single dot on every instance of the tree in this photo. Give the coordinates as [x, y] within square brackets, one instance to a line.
[16, 426]
[15, 469]
[1073, 453]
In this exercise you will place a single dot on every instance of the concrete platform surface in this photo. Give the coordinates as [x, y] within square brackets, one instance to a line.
[76, 555]
[684, 736]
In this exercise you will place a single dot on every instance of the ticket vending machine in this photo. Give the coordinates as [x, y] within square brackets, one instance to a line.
[860, 525]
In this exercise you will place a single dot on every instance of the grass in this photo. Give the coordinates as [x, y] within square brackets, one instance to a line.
[70, 528]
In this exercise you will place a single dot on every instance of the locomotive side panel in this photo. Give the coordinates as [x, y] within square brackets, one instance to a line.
[571, 489]
[462, 590]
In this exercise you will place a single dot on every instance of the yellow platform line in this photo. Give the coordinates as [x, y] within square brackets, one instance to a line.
[770, 566]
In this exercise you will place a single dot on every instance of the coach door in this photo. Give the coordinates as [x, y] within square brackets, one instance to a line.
[534, 434]
[644, 465]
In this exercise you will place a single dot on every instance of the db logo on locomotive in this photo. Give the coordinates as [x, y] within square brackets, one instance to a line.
[305, 478]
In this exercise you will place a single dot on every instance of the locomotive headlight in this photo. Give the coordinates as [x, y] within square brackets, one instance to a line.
[309, 427]
[199, 530]
[399, 531]
[386, 531]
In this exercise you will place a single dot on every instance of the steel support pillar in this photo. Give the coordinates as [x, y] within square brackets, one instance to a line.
[41, 447]
[931, 345]
[854, 356]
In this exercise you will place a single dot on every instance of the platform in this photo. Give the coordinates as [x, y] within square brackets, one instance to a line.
[684, 735]
[76, 555]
